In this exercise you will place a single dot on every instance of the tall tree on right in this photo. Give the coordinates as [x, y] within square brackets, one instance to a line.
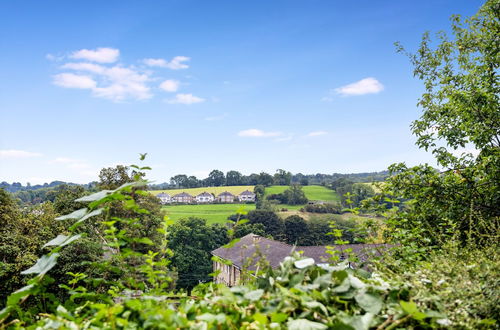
[460, 125]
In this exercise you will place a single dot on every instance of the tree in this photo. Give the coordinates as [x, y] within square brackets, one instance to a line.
[249, 228]
[113, 177]
[272, 223]
[294, 195]
[216, 178]
[282, 177]
[265, 179]
[179, 180]
[234, 178]
[191, 241]
[295, 230]
[460, 125]
[192, 182]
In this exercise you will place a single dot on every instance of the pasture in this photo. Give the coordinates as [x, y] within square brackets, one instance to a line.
[315, 193]
[213, 213]
[235, 190]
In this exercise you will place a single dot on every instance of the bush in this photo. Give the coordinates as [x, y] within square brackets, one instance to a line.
[322, 208]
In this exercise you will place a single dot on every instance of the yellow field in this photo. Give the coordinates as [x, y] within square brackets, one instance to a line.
[235, 190]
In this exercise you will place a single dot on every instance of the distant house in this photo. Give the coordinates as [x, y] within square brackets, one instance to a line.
[205, 197]
[243, 254]
[182, 198]
[164, 198]
[226, 197]
[246, 196]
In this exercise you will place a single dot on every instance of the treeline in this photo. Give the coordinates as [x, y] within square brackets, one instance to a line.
[282, 177]
[17, 186]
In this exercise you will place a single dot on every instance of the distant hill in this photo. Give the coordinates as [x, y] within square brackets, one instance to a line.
[235, 190]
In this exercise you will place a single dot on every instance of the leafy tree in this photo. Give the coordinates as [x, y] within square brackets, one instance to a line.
[192, 240]
[253, 179]
[65, 195]
[265, 179]
[272, 223]
[234, 178]
[282, 177]
[460, 125]
[294, 195]
[191, 182]
[179, 180]
[295, 230]
[216, 178]
[113, 177]
[249, 228]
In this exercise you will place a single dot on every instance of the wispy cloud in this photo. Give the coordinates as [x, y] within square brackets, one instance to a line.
[364, 86]
[99, 71]
[16, 154]
[177, 63]
[317, 133]
[186, 99]
[254, 132]
[99, 55]
[70, 80]
[170, 85]
[116, 83]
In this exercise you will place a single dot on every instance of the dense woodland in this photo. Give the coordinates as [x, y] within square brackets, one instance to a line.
[106, 257]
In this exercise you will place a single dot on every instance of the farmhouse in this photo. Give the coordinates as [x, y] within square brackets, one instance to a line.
[182, 198]
[226, 197]
[164, 198]
[244, 255]
[246, 196]
[205, 197]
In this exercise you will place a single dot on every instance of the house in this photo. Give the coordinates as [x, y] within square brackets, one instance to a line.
[205, 197]
[164, 198]
[182, 198]
[246, 196]
[246, 253]
[226, 197]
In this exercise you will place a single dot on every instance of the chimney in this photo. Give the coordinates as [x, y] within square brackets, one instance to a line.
[256, 238]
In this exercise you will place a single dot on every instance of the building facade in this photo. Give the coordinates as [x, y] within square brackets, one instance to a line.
[205, 198]
[164, 198]
[182, 198]
[225, 197]
[246, 196]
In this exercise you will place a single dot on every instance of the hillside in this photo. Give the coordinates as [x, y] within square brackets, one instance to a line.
[235, 190]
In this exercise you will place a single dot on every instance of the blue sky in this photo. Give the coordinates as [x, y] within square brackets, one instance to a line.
[308, 86]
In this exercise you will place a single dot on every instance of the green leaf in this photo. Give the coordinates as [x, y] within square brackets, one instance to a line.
[300, 264]
[16, 296]
[261, 318]
[231, 244]
[361, 322]
[304, 324]
[5, 312]
[92, 214]
[43, 265]
[145, 240]
[62, 240]
[409, 307]
[254, 295]
[278, 317]
[94, 197]
[74, 215]
[370, 302]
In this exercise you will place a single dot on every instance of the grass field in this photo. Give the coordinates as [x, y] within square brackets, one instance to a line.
[213, 213]
[235, 190]
[315, 193]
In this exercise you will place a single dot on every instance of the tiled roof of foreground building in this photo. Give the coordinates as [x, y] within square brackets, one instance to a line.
[248, 249]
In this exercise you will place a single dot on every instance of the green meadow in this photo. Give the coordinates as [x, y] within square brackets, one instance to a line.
[213, 213]
[314, 193]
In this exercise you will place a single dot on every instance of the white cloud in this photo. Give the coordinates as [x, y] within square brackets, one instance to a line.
[186, 99]
[16, 154]
[70, 80]
[327, 99]
[317, 133]
[99, 55]
[116, 83]
[254, 132]
[64, 160]
[175, 64]
[364, 86]
[170, 85]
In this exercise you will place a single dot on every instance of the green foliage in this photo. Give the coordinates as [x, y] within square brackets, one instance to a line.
[460, 116]
[271, 222]
[296, 230]
[294, 195]
[191, 241]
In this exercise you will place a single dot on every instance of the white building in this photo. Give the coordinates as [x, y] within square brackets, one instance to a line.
[205, 197]
[164, 198]
[182, 198]
[246, 196]
[226, 197]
